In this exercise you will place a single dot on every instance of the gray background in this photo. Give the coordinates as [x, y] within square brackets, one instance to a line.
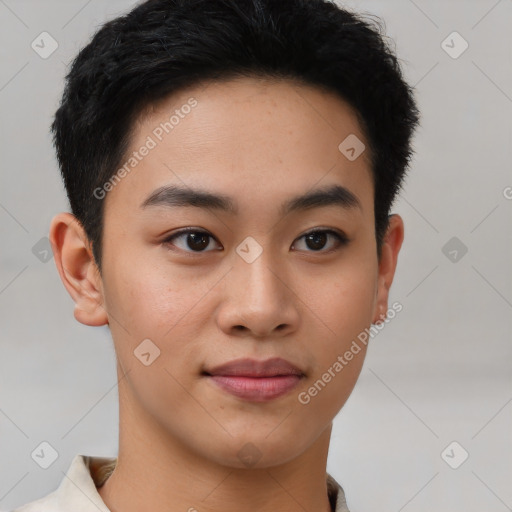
[439, 372]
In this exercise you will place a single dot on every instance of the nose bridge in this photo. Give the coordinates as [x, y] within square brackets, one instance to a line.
[257, 282]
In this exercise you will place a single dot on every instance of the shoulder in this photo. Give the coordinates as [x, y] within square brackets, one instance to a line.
[47, 503]
[336, 495]
[78, 489]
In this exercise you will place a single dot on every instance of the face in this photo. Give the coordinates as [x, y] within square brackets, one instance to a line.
[260, 274]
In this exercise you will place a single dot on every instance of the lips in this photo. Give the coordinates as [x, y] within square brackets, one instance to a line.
[254, 380]
[253, 368]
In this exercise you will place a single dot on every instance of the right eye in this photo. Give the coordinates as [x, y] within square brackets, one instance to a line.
[192, 240]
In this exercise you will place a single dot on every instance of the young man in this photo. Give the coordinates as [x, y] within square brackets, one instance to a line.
[230, 165]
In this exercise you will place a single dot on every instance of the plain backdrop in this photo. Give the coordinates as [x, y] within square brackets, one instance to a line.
[439, 373]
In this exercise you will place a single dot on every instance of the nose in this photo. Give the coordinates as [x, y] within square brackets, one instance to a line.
[258, 300]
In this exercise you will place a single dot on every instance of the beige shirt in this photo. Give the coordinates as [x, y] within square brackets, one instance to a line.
[78, 490]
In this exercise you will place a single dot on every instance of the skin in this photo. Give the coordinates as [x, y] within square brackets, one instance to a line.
[261, 143]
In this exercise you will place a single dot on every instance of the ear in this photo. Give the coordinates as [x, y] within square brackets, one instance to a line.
[389, 256]
[77, 269]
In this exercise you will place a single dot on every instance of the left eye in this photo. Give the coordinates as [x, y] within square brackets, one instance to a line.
[316, 240]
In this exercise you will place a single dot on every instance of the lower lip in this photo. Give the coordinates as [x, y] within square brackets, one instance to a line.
[256, 389]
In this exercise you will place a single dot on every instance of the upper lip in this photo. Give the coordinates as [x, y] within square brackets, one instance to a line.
[254, 368]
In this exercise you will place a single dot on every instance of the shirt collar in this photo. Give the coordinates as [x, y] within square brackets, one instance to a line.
[78, 490]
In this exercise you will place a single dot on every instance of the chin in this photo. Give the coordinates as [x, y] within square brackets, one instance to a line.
[258, 451]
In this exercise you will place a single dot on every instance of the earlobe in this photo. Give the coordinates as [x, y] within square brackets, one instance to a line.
[77, 269]
[387, 265]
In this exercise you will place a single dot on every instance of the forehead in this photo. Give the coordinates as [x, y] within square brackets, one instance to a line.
[252, 137]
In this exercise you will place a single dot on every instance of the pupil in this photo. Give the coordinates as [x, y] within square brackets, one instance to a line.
[197, 240]
[318, 240]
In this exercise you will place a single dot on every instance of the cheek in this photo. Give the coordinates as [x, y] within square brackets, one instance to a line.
[344, 306]
[150, 299]
[344, 300]
[164, 308]
[168, 308]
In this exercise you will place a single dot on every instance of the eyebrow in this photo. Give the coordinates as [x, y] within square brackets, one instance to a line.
[170, 196]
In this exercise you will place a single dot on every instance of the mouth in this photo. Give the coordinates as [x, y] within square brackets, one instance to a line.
[256, 381]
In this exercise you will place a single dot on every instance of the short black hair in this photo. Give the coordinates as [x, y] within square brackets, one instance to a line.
[163, 46]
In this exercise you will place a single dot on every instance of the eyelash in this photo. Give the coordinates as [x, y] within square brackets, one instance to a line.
[341, 238]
